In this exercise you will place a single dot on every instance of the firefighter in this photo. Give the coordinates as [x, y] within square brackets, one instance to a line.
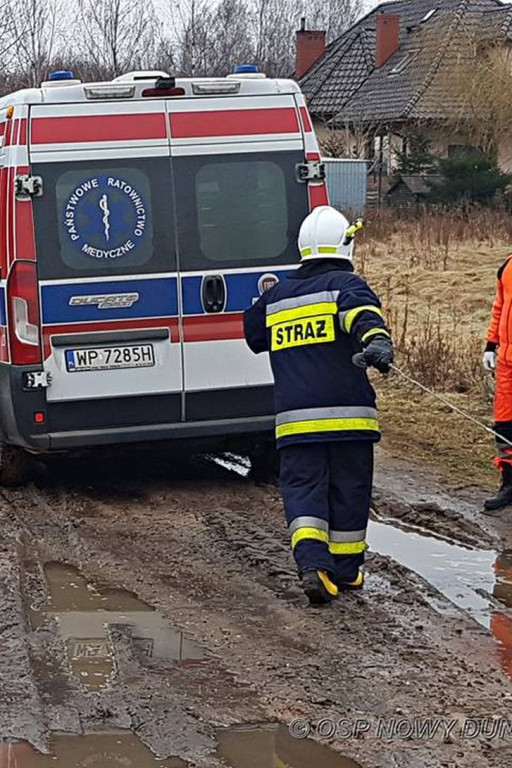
[313, 324]
[498, 358]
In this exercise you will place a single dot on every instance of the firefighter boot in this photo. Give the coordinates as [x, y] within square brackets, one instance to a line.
[504, 496]
[318, 587]
[358, 583]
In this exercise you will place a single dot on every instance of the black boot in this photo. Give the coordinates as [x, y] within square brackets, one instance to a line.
[504, 496]
[318, 587]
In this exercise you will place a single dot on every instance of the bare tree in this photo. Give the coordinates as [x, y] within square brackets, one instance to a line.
[190, 22]
[333, 16]
[29, 30]
[117, 35]
[234, 45]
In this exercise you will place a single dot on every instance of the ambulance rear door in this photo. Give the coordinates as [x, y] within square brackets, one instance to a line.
[106, 263]
[239, 207]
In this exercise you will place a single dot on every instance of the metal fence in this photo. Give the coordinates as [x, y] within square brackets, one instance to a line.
[346, 180]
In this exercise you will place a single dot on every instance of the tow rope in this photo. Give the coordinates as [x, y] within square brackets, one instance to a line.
[446, 402]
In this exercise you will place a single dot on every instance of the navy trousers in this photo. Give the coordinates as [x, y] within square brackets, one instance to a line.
[326, 490]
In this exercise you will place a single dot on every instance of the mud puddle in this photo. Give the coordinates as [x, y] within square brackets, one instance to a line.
[101, 750]
[272, 746]
[462, 574]
[478, 581]
[262, 746]
[84, 614]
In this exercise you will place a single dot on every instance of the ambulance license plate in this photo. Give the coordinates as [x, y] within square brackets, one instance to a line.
[109, 358]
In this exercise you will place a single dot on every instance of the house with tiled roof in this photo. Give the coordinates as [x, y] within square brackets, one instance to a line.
[406, 66]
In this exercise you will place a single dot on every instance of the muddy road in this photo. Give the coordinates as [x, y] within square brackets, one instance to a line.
[150, 616]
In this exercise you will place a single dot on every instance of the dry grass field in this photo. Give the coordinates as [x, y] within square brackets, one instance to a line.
[435, 273]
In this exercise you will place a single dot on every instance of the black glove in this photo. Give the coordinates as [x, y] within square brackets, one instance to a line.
[378, 353]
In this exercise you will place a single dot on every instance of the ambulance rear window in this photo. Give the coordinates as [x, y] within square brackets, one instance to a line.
[104, 218]
[239, 210]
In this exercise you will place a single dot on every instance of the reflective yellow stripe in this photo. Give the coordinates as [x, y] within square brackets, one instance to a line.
[350, 316]
[326, 425]
[309, 533]
[347, 548]
[374, 332]
[309, 310]
[320, 249]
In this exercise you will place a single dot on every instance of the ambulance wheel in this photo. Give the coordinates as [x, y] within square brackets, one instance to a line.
[264, 463]
[14, 465]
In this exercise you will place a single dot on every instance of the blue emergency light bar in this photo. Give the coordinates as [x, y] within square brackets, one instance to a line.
[61, 74]
[242, 69]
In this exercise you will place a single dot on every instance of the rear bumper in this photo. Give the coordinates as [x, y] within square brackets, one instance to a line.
[55, 441]
[216, 417]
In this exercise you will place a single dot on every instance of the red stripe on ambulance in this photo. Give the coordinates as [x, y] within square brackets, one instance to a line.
[3, 230]
[304, 118]
[317, 192]
[86, 128]
[213, 328]
[4, 347]
[10, 210]
[23, 132]
[233, 122]
[24, 226]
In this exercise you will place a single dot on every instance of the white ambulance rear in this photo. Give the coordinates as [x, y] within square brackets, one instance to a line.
[140, 217]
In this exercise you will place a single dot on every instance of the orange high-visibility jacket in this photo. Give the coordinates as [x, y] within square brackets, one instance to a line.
[499, 333]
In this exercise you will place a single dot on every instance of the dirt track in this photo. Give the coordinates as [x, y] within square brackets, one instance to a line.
[208, 550]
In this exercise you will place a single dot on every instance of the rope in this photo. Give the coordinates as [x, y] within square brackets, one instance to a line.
[454, 408]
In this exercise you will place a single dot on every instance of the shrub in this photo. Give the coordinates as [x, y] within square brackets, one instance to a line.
[469, 176]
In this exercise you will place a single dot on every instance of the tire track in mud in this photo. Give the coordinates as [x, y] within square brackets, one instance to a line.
[209, 550]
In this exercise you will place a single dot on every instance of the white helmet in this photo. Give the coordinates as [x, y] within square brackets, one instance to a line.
[323, 234]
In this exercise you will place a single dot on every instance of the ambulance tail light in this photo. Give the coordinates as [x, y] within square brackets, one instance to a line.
[161, 92]
[23, 310]
[164, 86]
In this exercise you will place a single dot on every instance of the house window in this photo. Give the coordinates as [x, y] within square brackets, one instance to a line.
[428, 15]
[403, 63]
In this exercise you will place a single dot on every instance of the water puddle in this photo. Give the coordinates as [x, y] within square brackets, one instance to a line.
[461, 574]
[100, 750]
[271, 746]
[262, 746]
[477, 580]
[84, 613]
[501, 623]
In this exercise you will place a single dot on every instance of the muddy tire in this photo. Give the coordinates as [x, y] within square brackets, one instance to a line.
[265, 463]
[14, 466]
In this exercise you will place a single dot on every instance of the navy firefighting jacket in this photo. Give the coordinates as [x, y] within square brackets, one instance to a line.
[312, 323]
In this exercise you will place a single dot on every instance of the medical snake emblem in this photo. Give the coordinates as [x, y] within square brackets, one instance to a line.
[103, 204]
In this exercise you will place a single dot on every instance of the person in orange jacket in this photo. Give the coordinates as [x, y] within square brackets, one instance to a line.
[498, 358]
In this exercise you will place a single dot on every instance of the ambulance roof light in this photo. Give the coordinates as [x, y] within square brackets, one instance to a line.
[245, 69]
[61, 74]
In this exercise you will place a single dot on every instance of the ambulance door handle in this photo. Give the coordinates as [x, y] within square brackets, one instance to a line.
[213, 293]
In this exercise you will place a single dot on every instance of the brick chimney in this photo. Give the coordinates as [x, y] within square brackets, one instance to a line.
[388, 37]
[309, 47]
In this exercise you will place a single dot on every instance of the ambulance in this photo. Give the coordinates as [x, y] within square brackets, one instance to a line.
[138, 219]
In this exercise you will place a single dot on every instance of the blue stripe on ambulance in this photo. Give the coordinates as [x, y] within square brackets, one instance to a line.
[157, 297]
[242, 290]
[3, 308]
